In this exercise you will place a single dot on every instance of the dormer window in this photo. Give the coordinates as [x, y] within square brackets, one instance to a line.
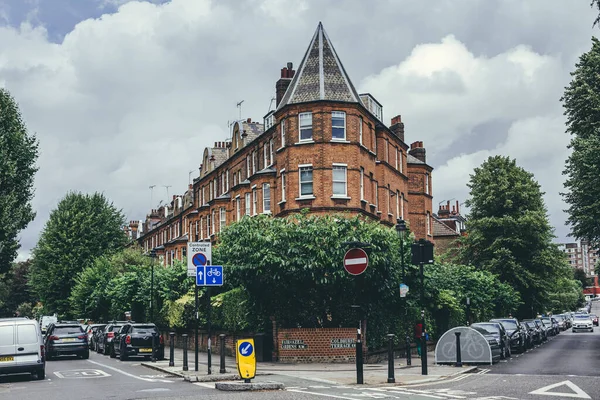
[306, 130]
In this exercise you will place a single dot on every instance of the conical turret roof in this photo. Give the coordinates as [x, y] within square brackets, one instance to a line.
[320, 76]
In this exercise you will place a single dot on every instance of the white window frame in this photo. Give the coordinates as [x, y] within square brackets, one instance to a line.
[214, 222]
[253, 162]
[271, 152]
[338, 114]
[362, 183]
[402, 206]
[247, 203]
[375, 188]
[266, 189]
[283, 185]
[344, 168]
[360, 130]
[396, 153]
[209, 225]
[215, 187]
[398, 204]
[305, 116]
[282, 127]
[235, 175]
[401, 161]
[426, 183]
[248, 166]
[222, 182]
[238, 206]
[390, 194]
[305, 167]
[254, 200]
[210, 190]
[428, 223]
[222, 218]
[265, 156]
[387, 151]
[226, 181]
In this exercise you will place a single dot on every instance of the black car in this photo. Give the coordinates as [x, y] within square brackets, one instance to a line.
[108, 334]
[92, 331]
[138, 340]
[62, 338]
[530, 339]
[516, 334]
[499, 333]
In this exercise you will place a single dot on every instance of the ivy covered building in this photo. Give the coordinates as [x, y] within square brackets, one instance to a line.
[325, 148]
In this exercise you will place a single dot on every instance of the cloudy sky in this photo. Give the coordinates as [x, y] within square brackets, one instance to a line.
[126, 94]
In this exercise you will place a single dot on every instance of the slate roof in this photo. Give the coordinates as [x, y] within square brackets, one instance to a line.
[252, 129]
[221, 154]
[320, 76]
[413, 160]
[441, 229]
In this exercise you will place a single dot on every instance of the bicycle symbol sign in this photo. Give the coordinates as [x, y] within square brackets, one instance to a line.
[210, 275]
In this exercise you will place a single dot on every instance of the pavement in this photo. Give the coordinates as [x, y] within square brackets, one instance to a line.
[334, 373]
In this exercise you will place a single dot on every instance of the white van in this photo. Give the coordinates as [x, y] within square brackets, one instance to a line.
[22, 347]
[47, 320]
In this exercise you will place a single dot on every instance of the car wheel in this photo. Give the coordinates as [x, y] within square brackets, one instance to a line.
[40, 374]
[106, 350]
[508, 351]
[112, 352]
[122, 356]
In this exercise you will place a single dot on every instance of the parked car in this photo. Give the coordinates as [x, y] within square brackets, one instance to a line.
[561, 319]
[492, 341]
[538, 332]
[594, 318]
[530, 338]
[544, 328]
[22, 347]
[516, 334]
[137, 340]
[551, 325]
[496, 329]
[582, 322]
[65, 338]
[108, 334]
[92, 339]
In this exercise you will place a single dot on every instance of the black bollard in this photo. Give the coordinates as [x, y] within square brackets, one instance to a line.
[222, 353]
[171, 349]
[408, 358]
[458, 355]
[154, 336]
[391, 378]
[359, 358]
[185, 349]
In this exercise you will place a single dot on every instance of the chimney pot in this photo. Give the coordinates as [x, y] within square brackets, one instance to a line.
[249, 120]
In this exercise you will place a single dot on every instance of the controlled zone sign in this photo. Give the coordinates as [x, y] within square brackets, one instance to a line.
[245, 358]
[356, 261]
[198, 254]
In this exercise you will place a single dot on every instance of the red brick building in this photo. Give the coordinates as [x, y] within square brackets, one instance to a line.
[325, 147]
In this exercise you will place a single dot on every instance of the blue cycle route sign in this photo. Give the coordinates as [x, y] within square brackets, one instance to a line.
[246, 349]
[209, 275]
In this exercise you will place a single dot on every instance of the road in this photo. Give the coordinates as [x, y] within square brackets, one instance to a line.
[566, 367]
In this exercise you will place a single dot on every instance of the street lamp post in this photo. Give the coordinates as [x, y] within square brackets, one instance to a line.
[422, 253]
[152, 257]
[401, 229]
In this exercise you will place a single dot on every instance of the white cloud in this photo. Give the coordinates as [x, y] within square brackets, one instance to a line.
[131, 99]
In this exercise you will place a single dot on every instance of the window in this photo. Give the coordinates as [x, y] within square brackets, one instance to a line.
[222, 182]
[390, 194]
[247, 166]
[238, 207]
[265, 156]
[26, 334]
[402, 206]
[282, 185]
[400, 162]
[283, 133]
[338, 125]
[214, 222]
[266, 198]
[196, 232]
[306, 181]
[226, 181]
[215, 187]
[306, 132]
[428, 223]
[426, 183]
[208, 226]
[210, 191]
[203, 194]
[247, 201]
[376, 195]
[360, 130]
[254, 162]
[271, 154]
[339, 180]
[234, 179]
[387, 151]
[398, 204]
[201, 227]
[396, 153]
[362, 183]
[223, 219]
[254, 201]
[240, 176]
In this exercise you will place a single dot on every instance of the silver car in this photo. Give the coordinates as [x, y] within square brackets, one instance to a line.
[22, 347]
[582, 322]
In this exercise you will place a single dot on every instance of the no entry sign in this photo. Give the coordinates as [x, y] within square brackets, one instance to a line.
[356, 261]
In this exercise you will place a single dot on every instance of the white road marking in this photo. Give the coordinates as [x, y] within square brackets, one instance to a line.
[321, 394]
[154, 390]
[82, 374]
[204, 384]
[579, 393]
[130, 375]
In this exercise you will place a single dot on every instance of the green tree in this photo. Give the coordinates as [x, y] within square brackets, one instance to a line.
[18, 154]
[581, 101]
[82, 228]
[509, 232]
[579, 275]
[16, 289]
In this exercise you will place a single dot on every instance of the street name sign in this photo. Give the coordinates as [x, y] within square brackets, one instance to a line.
[209, 275]
[198, 254]
[245, 357]
[356, 261]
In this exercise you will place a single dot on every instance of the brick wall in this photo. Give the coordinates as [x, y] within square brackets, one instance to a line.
[317, 345]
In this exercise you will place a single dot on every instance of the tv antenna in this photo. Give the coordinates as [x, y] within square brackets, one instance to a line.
[239, 105]
[190, 176]
[167, 187]
[271, 104]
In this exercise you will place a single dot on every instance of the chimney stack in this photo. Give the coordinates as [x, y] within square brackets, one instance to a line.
[397, 127]
[287, 73]
[418, 151]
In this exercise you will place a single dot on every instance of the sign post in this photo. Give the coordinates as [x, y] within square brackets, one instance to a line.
[210, 275]
[198, 254]
[245, 358]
